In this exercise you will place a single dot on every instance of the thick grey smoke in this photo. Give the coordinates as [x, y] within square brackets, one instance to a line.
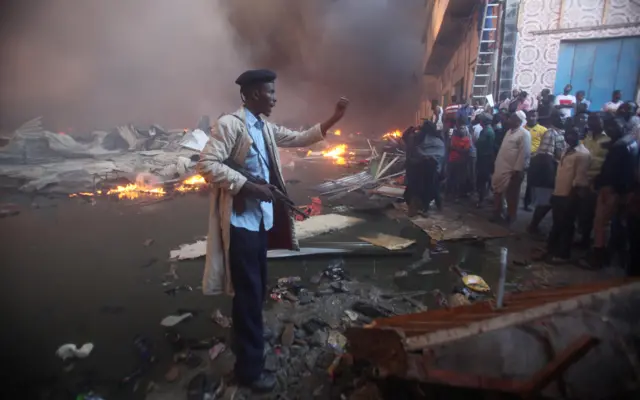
[94, 63]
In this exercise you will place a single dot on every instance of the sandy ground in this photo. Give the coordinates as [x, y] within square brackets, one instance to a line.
[76, 273]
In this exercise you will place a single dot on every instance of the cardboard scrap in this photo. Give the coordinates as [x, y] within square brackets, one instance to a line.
[389, 242]
[452, 226]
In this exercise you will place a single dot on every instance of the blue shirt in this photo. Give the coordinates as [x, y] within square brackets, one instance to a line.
[257, 163]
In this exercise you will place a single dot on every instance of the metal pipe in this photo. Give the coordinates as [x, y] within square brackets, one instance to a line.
[503, 277]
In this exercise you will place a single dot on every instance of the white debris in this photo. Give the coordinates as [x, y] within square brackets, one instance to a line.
[320, 224]
[173, 320]
[313, 226]
[195, 140]
[70, 350]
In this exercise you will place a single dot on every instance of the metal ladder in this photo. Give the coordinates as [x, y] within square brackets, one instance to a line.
[486, 61]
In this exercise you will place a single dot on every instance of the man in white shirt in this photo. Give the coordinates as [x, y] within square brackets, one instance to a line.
[437, 114]
[616, 101]
[566, 102]
[572, 180]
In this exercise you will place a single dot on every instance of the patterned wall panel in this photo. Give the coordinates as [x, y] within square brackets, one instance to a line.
[537, 50]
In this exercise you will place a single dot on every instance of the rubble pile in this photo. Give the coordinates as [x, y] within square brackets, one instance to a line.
[37, 160]
[304, 321]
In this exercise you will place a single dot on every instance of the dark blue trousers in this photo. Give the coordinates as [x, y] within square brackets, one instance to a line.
[248, 259]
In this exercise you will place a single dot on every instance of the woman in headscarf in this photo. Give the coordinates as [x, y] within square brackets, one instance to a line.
[510, 166]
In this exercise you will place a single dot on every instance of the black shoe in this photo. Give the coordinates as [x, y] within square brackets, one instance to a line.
[264, 384]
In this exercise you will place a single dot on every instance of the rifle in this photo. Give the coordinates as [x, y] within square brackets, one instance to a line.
[277, 193]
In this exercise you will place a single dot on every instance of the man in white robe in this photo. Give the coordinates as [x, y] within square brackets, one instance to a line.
[510, 166]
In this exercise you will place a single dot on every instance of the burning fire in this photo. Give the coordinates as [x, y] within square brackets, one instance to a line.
[133, 191]
[193, 183]
[337, 132]
[337, 153]
[87, 194]
[392, 135]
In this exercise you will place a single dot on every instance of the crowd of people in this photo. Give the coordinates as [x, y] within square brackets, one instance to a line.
[580, 164]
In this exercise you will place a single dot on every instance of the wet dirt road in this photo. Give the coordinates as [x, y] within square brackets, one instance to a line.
[78, 273]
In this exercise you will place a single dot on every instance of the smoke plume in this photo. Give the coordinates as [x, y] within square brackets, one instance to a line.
[95, 64]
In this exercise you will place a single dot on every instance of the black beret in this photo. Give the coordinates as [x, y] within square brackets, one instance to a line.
[256, 76]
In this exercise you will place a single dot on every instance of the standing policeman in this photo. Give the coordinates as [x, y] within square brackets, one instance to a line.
[244, 219]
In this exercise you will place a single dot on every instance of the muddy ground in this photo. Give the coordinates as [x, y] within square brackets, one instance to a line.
[75, 273]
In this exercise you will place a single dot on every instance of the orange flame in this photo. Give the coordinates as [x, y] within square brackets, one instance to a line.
[133, 191]
[337, 132]
[392, 135]
[337, 153]
[193, 183]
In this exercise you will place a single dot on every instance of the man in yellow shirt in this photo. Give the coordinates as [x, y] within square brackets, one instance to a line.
[596, 142]
[537, 131]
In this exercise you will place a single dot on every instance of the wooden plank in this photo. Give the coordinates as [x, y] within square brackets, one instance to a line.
[552, 371]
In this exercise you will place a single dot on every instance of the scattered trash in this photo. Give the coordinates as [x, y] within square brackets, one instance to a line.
[353, 316]
[389, 242]
[466, 293]
[335, 271]
[148, 242]
[70, 350]
[216, 350]
[473, 282]
[173, 320]
[337, 341]
[289, 280]
[340, 209]
[429, 272]
[220, 319]
[181, 288]
[286, 339]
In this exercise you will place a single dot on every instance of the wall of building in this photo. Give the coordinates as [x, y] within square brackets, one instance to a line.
[543, 24]
[459, 70]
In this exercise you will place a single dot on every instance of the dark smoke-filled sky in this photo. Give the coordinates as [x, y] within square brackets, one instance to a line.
[94, 64]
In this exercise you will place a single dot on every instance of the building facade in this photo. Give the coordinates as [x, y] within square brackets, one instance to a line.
[450, 51]
[592, 44]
